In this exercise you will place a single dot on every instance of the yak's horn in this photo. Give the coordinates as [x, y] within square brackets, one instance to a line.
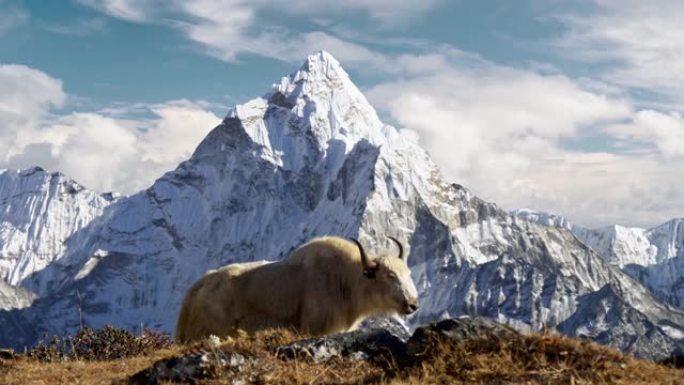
[368, 268]
[399, 245]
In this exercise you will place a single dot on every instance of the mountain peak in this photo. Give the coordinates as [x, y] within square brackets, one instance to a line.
[321, 84]
[309, 112]
[323, 63]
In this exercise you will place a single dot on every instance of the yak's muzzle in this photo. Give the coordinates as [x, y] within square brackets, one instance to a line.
[411, 306]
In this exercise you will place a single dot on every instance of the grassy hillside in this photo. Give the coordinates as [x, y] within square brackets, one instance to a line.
[91, 358]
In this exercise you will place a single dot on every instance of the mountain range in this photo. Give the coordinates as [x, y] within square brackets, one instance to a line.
[653, 256]
[311, 157]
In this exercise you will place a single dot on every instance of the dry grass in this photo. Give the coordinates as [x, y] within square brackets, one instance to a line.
[108, 343]
[262, 365]
[537, 359]
[25, 370]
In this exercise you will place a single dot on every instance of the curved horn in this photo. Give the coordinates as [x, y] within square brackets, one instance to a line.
[368, 268]
[399, 245]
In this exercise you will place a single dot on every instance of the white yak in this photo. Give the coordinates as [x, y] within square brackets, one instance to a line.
[326, 286]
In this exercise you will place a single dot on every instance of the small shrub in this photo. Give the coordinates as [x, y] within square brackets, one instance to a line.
[108, 343]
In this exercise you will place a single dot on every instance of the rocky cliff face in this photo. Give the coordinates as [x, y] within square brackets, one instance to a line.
[38, 212]
[654, 257]
[311, 158]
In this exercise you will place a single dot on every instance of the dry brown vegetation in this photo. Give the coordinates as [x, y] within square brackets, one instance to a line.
[23, 370]
[536, 359]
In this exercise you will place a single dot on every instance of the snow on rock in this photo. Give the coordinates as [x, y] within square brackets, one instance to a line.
[39, 210]
[312, 158]
[655, 256]
[620, 245]
[12, 297]
[546, 219]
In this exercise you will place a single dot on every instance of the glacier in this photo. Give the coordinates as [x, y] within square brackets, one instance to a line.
[309, 158]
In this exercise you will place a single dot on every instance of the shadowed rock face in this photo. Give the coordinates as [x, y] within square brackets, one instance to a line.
[312, 158]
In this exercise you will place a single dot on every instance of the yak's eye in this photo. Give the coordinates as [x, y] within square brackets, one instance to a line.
[392, 275]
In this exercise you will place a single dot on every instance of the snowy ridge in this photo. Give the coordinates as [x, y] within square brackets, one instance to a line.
[654, 257]
[38, 211]
[546, 219]
[621, 246]
[312, 158]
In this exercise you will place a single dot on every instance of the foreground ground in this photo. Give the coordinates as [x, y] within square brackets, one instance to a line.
[506, 358]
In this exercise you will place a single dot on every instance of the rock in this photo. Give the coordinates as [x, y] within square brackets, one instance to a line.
[384, 346]
[7, 354]
[394, 325]
[187, 369]
[375, 344]
[456, 329]
[676, 360]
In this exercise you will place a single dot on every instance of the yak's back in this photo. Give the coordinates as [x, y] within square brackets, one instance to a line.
[326, 251]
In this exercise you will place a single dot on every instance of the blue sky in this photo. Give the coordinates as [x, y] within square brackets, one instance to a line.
[107, 59]
[572, 107]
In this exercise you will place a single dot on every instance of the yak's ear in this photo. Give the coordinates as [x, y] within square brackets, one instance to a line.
[370, 272]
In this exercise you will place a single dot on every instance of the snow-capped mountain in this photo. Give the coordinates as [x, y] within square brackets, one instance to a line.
[665, 278]
[38, 212]
[309, 158]
[636, 246]
[655, 256]
[620, 245]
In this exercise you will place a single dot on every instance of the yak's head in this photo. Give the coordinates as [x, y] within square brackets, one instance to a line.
[392, 288]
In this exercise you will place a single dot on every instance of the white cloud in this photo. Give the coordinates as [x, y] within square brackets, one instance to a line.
[130, 10]
[11, 16]
[299, 46]
[27, 95]
[228, 28]
[172, 136]
[102, 150]
[664, 131]
[493, 121]
[501, 132]
[27, 92]
[93, 149]
[384, 11]
[641, 42]
[597, 189]
[220, 26]
[224, 29]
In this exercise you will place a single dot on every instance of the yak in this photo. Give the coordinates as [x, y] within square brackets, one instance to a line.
[328, 285]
